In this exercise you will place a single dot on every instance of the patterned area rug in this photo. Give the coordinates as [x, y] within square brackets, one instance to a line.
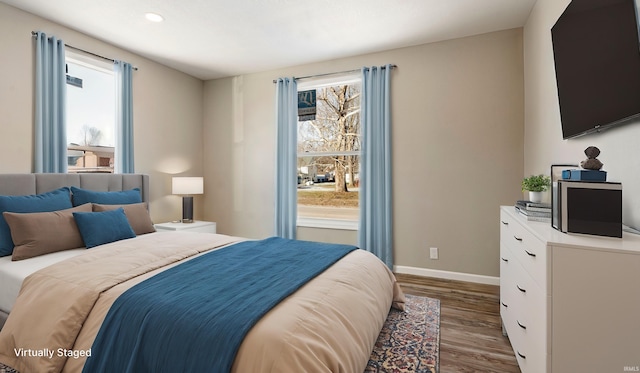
[409, 341]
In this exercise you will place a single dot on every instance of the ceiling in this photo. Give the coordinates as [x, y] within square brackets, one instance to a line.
[210, 39]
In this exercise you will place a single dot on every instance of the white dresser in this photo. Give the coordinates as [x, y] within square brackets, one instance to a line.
[569, 302]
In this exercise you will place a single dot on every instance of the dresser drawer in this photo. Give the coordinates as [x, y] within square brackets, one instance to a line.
[528, 328]
[506, 230]
[527, 249]
[507, 294]
[532, 358]
[531, 306]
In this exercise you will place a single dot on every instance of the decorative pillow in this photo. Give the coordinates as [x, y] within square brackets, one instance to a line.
[97, 228]
[137, 214]
[39, 233]
[58, 199]
[125, 197]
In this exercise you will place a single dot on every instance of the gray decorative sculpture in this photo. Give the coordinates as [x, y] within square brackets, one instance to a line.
[592, 162]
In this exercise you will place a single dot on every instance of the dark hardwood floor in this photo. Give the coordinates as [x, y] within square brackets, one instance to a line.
[470, 331]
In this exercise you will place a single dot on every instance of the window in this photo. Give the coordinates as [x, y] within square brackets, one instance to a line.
[90, 114]
[329, 155]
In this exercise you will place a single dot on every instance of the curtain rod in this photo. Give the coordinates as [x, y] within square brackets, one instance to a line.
[34, 33]
[335, 73]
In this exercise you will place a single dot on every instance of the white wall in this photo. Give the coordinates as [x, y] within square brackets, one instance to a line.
[167, 109]
[457, 138]
[543, 134]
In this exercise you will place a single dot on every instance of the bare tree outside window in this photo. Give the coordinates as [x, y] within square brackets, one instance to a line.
[91, 135]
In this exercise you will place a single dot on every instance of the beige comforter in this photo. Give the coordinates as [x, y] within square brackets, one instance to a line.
[328, 325]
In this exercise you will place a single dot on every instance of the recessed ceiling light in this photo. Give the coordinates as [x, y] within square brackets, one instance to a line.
[154, 17]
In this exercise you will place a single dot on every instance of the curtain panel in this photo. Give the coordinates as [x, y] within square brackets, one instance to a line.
[50, 129]
[286, 158]
[123, 157]
[375, 231]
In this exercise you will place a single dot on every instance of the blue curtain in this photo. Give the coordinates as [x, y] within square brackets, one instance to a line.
[375, 232]
[286, 162]
[50, 143]
[123, 162]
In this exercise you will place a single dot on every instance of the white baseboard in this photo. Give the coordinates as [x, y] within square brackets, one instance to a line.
[459, 276]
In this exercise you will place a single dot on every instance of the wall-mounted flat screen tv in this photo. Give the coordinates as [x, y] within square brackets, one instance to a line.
[597, 60]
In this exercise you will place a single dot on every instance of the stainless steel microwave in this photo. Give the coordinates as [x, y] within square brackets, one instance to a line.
[587, 207]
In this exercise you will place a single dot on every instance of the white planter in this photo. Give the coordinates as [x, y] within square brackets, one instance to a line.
[535, 196]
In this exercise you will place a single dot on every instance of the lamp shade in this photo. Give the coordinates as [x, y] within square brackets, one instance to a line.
[187, 185]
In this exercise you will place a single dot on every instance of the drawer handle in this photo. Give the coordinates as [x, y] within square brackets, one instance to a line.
[521, 289]
[530, 254]
[521, 355]
[517, 238]
[504, 222]
[504, 260]
[520, 325]
[506, 306]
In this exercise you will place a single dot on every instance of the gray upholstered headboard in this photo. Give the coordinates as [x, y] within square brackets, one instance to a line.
[24, 184]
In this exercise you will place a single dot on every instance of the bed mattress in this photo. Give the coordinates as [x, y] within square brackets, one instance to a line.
[12, 273]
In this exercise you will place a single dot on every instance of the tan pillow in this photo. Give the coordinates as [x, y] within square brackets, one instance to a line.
[39, 233]
[137, 214]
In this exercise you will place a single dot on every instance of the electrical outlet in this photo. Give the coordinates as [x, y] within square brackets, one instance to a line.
[433, 253]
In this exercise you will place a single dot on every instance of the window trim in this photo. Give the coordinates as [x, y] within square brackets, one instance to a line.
[328, 81]
[322, 223]
[89, 62]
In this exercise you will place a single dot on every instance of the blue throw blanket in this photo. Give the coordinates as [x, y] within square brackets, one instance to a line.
[194, 316]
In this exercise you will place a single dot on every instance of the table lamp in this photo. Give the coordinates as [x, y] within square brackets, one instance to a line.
[187, 187]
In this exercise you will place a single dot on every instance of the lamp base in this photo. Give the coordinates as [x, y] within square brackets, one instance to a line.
[187, 209]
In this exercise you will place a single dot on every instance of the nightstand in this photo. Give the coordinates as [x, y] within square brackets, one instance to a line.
[196, 226]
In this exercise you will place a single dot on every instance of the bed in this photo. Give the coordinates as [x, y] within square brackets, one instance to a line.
[69, 300]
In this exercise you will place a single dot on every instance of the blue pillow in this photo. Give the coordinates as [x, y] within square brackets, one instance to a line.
[125, 197]
[97, 228]
[58, 199]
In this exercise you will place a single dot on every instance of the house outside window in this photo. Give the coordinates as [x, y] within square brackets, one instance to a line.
[91, 114]
[328, 154]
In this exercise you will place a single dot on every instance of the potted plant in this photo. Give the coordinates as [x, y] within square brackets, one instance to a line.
[536, 184]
